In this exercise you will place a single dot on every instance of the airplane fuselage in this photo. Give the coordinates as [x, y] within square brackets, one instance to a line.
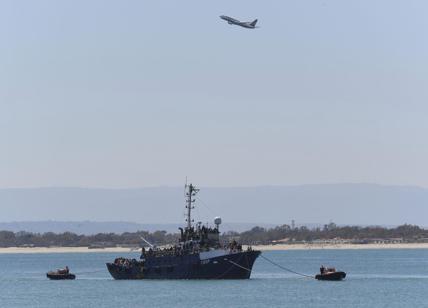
[244, 24]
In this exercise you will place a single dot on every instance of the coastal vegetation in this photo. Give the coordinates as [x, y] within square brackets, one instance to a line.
[283, 234]
[68, 239]
[331, 232]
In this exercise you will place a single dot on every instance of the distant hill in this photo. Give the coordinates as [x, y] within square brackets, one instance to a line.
[81, 227]
[118, 227]
[362, 204]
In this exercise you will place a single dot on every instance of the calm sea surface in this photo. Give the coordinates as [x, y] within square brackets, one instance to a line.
[376, 278]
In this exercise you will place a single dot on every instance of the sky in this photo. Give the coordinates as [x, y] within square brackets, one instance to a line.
[122, 94]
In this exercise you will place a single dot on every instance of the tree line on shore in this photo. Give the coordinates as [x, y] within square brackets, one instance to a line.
[255, 236]
[286, 234]
[68, 239]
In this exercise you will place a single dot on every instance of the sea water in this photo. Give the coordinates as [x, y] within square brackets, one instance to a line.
[375, 278]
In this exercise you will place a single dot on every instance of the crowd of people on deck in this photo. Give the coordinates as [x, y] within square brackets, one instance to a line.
[234, 246]
[125, 263]
[200, 233]
[186, 248]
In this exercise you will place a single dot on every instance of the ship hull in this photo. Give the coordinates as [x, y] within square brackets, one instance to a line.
[228, 266]
[56, 276]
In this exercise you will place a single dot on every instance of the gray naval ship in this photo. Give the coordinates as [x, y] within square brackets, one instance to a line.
[199, 254]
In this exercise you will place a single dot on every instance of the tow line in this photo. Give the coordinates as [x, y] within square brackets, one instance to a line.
[286, 269]
[236, 264]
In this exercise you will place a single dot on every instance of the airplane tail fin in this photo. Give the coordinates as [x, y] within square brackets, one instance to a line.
[254, 23]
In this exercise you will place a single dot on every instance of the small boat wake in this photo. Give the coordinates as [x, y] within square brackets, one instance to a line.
[388, 276]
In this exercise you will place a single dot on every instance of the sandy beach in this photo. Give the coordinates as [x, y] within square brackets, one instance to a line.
[341, 246]
[258, 247]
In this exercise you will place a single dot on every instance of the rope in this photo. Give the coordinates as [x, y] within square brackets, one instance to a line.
[286, 269]
[229, 269]
[236, 264]
[224, 273]
[93, 272]
[212, 212]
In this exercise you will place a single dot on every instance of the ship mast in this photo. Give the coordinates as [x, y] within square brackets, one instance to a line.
[190, 194]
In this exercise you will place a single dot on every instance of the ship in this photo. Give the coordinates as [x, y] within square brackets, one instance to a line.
[198, 254]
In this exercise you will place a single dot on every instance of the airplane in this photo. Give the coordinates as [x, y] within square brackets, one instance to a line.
[244, 24]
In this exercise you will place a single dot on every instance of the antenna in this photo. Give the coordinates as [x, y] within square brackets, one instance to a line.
[190, 194]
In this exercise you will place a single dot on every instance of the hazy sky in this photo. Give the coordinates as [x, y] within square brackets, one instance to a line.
[143, 93]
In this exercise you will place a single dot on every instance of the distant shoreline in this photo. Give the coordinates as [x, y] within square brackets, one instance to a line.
[340, 246]
[283, 247]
